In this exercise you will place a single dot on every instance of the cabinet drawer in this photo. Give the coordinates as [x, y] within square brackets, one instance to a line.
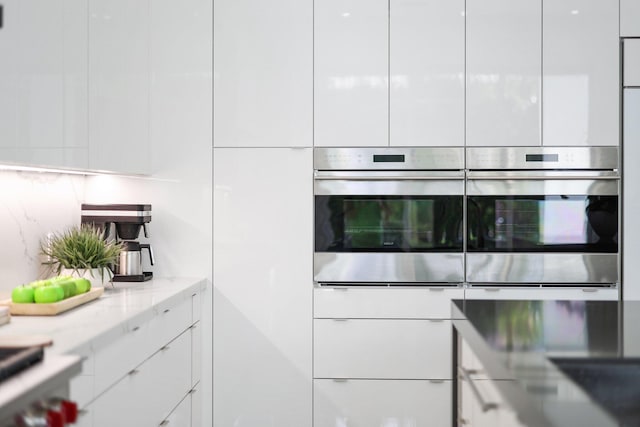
[381, 348]
[366, 403]
[169, 322]
[405, 302]
[586, 294]
[109, 363]
[148, 393]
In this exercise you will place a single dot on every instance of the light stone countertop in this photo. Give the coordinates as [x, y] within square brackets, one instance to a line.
[97, 323]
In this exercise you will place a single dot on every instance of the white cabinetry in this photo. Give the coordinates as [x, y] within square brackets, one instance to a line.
[119, 81]
[262, 276]
[426, 67]
[581, 68]
[263, 73]
[503, 45]
[154, 382]
[480, 403]
[43, 83]
[629, 18]
[351, 69]
[382, 355]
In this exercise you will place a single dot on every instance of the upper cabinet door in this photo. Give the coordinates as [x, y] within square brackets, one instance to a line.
[629, 18]
[581, 68]
[119, 85]
[503, 72]
[43, 83]
[351, 68]
[263, 73]
[426, 102]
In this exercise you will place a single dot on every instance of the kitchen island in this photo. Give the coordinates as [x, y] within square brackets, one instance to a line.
[546, 363]
[135, 338]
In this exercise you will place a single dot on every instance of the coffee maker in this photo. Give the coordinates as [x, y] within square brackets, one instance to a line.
[122, 223]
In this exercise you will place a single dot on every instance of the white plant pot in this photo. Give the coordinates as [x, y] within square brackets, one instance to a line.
[93, 275]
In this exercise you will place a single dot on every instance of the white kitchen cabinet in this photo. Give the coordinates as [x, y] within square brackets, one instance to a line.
[580, 72]
[366, 403]
[382, 348]
[263, 73]
[426, 66]
[631, 195]
[155, 382]
[503, 54]
[181, 415]
[43, 83]
[480, 403]
[364, 302]
[557, 293]
[382, 355]
[262, 277]
[148, 393]
[351, 73]
[631, 63]
[119, 85]
[629, 18]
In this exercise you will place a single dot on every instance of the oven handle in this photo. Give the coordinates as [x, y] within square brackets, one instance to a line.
[541, 177]
[389, 176]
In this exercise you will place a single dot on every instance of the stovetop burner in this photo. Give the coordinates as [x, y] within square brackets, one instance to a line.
[14, 360]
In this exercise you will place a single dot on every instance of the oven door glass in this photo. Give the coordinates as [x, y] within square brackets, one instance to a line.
[388, 223]
[567, 223]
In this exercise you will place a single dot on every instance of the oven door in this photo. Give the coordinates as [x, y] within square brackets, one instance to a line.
[389, 227]
[549, 227]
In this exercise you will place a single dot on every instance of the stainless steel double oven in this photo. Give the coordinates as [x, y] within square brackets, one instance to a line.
[543, 215]
[389, 215]
[500, 216]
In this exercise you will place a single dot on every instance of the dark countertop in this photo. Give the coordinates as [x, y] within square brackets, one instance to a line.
[596, 344]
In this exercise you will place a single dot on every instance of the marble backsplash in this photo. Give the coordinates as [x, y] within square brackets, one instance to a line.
[31, 205]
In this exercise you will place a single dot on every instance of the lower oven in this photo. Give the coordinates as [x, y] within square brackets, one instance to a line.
[388, 215]
[538, 215]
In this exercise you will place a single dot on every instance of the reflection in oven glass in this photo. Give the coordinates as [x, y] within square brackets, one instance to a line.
[564, 223]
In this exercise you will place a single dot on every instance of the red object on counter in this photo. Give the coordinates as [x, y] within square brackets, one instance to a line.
[70, 410]
[55, 418]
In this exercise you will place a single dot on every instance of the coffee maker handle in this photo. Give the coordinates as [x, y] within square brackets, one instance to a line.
[148, 247]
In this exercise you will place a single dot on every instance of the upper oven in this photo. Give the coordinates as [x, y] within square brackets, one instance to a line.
[388, 215]
[543, 215]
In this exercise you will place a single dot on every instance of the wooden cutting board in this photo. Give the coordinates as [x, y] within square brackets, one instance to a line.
[53, 308]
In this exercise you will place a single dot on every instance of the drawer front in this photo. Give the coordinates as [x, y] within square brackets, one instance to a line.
[148, 393]
[366, 403]
[585, 294]
[381, 348]
[169, 322]
[109, 363]
[402, 302]
[196, 353]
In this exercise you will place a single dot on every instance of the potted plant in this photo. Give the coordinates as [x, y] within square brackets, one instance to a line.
[83, 252]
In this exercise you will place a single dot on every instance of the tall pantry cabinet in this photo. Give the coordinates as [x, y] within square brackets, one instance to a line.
[262, 213]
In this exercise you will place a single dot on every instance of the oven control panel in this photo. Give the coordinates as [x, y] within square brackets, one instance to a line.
[389, 158]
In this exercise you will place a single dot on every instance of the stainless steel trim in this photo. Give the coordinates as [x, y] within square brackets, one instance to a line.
[585, 158]
[533, 175]
[430, 267]
[362, 158]
[439, 187]
[556, 268]
[389, 175]
[484, 404]
[546, 187]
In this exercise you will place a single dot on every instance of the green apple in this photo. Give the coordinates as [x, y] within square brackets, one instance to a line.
[22, 294]
[39, 283]
[68, 286]
[48, 294]
[82, 285]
